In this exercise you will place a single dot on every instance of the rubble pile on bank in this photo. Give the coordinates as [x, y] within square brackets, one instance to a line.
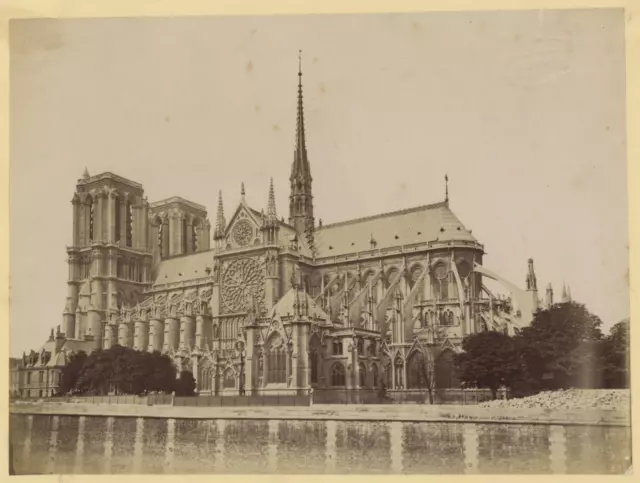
[569, 399]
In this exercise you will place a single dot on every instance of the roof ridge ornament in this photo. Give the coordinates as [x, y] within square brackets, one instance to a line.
[446, 189]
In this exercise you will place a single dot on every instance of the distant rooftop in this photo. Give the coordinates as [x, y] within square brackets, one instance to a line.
[177, 199]
[108, 175]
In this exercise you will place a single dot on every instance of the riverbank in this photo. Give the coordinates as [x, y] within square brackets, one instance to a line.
[379, 412]
[617, 399]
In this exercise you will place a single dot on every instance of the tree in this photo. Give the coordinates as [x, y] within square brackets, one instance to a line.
[489, 359]
[162, 373]
[126, 371]
[560, 348]
[71, 371]
[615, 356]
[185, 384]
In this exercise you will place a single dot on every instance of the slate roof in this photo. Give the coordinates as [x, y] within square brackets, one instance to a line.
[435, 222]
[184, 268]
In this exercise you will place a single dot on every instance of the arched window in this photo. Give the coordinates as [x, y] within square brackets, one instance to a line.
[118, 218]
[194, 235]
[441, 281]
[446, 318]
[313, 364]
[399, 364]
[414, 276]
[446, 375]
[315, 351]
[375, 375]
[363, 375]
[229, 381]
[338, 375]
[417, 374]
[337, 347]
[276, 361]
[391, 276]
[184, 235]
[204, 378]
[90, 213]
[129, 222]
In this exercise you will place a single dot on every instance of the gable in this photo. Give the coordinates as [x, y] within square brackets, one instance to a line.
[244, 228]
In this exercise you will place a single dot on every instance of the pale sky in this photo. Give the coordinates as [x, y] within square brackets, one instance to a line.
[524, 111]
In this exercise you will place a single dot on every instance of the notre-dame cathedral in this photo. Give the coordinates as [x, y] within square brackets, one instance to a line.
[276, 304]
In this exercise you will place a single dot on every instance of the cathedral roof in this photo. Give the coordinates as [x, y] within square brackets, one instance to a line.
[435, 222]
[184, 268]
[285, 306]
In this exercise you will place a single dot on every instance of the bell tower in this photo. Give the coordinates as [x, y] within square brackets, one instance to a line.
[109, 259]
[301, 199]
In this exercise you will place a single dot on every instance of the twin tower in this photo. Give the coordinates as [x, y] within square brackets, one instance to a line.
[119, 239]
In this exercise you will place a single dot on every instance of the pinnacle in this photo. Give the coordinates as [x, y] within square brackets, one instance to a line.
[220, 221]
[271, 205]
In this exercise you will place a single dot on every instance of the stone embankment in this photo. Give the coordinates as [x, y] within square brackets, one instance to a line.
[606, 399]
[352, 412]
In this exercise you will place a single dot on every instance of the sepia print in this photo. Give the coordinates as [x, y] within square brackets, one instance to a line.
[322, 244]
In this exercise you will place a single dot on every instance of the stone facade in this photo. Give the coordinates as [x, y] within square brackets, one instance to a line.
[274, 305]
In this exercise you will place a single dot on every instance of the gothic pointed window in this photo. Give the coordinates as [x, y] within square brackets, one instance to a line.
[338, 375]
[374, 375]
[416, 371]
[194, 236]
[229, 381]
[363, 374]
[91, 217]
[118, 219]
[313, 364]
[337, 347]
[399, 366]
[184, 235]
[276, 361]
[129, 215]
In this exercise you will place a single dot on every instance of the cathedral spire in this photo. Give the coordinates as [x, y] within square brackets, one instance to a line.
[221, 224]
[301, 199]
[300, 163]
[85, 175]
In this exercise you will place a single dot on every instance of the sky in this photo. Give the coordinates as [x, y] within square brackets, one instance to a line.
[525, 112]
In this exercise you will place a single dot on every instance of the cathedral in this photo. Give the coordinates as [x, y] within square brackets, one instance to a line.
[266, 304]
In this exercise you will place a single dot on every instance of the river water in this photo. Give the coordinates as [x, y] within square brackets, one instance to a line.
[44, 444]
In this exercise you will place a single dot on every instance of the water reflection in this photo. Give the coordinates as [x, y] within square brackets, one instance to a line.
[95, 445]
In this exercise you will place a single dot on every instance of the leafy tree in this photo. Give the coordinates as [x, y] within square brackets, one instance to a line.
[126, 371]
[185, 384]
[615, 356]
[162, 373]
[489, 359]
[71, 371]
[560, 348]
